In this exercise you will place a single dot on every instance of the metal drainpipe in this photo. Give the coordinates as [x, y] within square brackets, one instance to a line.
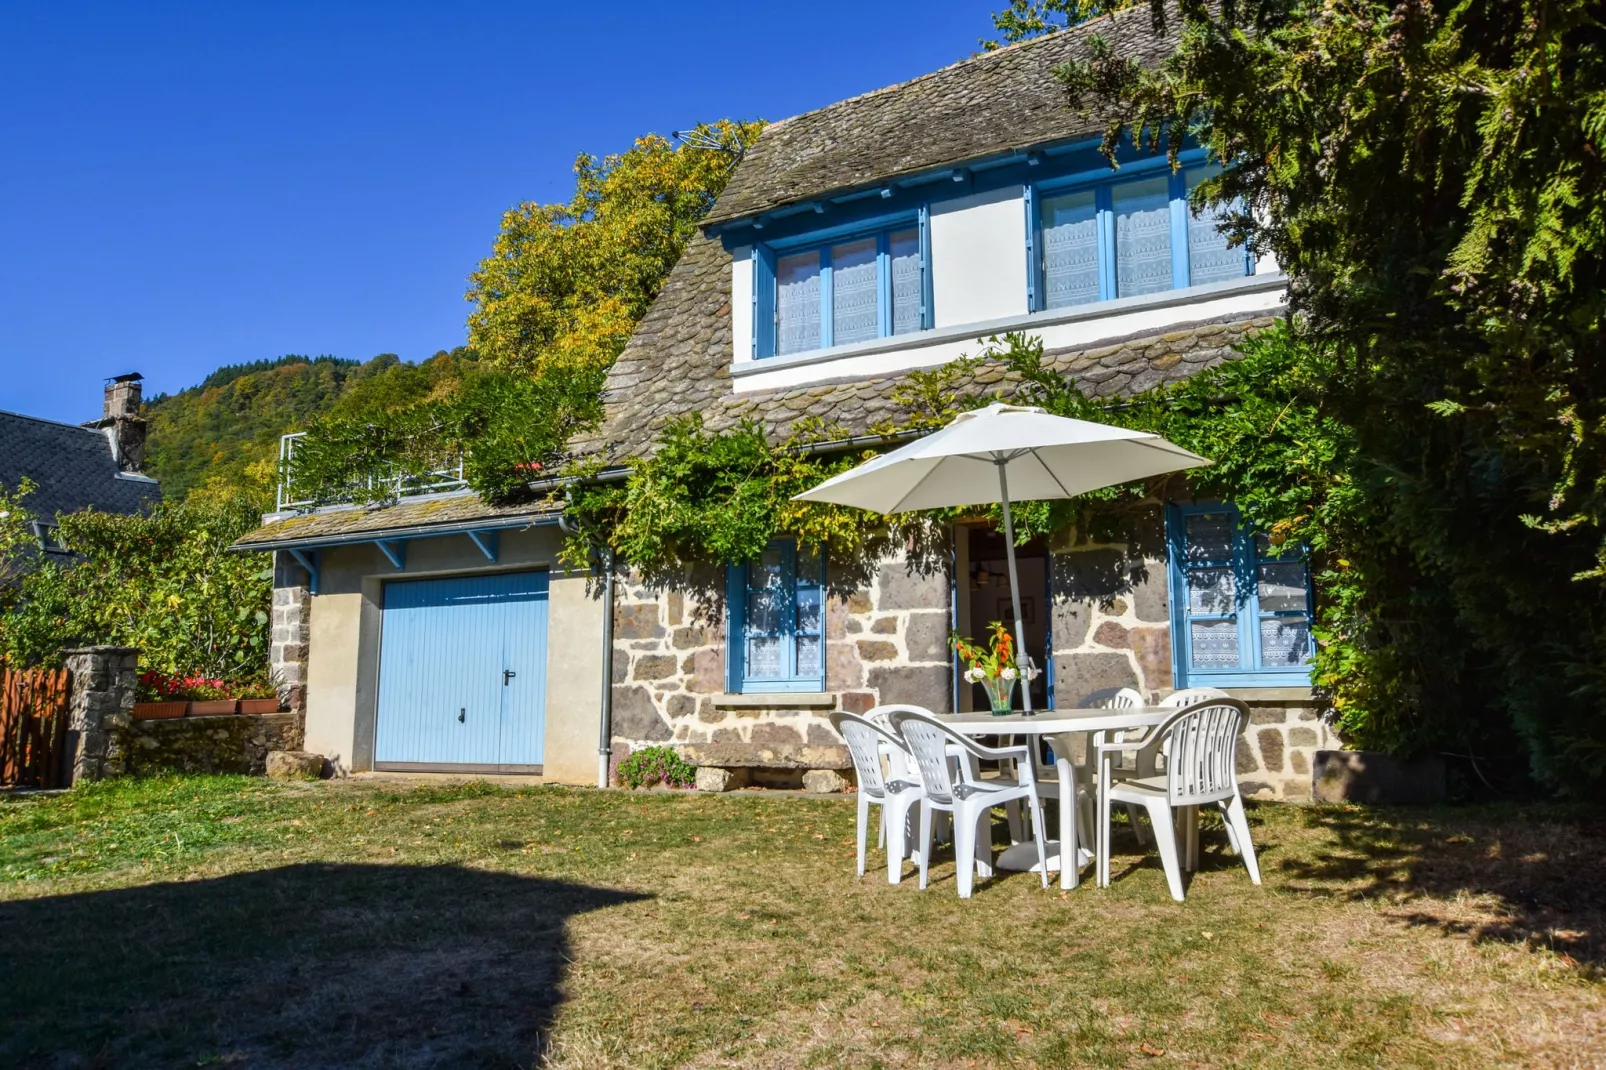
[605, 732]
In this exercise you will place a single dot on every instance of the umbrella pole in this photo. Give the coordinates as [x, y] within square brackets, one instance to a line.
[1023, 660]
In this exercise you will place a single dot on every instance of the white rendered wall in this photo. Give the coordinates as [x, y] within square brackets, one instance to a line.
[742, 303]
[978, 257]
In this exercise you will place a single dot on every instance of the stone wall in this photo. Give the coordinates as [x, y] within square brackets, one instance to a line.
[1111, 619]
[1278, 749]
[292, 602]
[101, 680]
[886, 641]
[227, 744]
[1112, 629]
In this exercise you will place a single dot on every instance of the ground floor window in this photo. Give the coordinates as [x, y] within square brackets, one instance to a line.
[776, 633]
[1240, 608]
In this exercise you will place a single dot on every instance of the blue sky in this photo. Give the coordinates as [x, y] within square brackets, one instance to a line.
[189, 185]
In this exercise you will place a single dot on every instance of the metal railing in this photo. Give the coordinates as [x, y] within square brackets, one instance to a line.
[391, 484]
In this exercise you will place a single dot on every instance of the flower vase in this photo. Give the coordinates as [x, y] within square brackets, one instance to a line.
[1001, 693]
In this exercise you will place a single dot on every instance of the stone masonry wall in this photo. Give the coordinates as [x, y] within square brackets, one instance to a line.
[1111, 628]
[292, 605]
[227, 744]
[886, 641]
[101, 680]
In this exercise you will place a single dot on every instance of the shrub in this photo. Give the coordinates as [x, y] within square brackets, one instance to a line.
[655, 765]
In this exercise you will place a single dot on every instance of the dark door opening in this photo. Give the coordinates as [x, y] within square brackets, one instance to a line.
[985, 597]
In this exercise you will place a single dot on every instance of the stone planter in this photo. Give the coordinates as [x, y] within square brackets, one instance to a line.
[155, 711]
[257, 706]
[213, 707]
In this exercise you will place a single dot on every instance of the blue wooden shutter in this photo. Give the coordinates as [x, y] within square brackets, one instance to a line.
[735, 627]
[763, 301]
[927, 315]
[1029, 198]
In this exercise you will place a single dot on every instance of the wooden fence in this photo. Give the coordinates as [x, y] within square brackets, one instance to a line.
[33, 727]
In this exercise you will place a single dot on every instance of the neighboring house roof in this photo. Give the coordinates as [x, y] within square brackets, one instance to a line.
[995, 103]
[678, 363]
[440, 514]
[72, 468]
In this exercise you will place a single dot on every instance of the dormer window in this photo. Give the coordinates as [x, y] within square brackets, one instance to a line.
[821, 291]
[1098, 238]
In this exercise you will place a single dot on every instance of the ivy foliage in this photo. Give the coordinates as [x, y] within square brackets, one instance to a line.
[163, 582]
[704, 498]
[503, 427]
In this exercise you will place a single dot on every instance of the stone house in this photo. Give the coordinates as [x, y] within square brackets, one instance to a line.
[855, 244]
[97, 465]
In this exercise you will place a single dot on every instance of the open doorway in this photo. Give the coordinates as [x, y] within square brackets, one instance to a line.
[984, 597]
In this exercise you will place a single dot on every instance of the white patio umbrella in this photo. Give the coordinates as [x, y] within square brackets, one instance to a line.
[984, 456]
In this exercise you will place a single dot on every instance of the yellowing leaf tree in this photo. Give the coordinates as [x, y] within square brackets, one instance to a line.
[566, 283]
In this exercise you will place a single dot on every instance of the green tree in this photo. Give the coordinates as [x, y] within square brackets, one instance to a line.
[226, 430]
[1430, 176]
[1023, 20]
[164, 582]
[565, 283]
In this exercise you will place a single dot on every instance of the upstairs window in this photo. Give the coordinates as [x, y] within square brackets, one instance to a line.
[858, 287]
[1100, 239]
[1240, 608]
[776, 633]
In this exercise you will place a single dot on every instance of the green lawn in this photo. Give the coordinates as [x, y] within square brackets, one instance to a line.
[237, 922]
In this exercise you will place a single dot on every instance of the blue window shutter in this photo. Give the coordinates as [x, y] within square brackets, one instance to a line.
[735, 627]
[1106, 210]
[883, 279]
[1176, 585]
[827, 311]
[927, 317]
[1029, 198]
[763, 301]
[1179, 231]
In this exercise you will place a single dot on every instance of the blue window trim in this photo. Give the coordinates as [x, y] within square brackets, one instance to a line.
[1103, 184]
[736, 679]
[1245, 576]
[765, 254]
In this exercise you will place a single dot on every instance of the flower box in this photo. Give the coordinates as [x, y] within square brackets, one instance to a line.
[213, 707]
[259, 705]
[156, 711]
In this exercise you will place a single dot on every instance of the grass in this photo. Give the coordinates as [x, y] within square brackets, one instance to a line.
[236, 922]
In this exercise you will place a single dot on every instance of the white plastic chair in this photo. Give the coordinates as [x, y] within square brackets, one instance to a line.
[1124, 698]
[953, 786]
[896, 791]
[1190, 695]
[1201, 744]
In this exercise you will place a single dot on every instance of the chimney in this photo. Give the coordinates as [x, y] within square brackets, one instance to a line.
[123, 424]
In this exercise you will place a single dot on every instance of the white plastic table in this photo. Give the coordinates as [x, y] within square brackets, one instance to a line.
[1057, 726]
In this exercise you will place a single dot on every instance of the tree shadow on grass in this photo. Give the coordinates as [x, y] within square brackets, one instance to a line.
[1490, 873]
[308, 965]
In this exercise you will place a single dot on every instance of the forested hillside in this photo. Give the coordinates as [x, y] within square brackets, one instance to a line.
[227, 429]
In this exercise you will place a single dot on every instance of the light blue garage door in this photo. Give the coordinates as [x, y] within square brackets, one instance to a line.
[462, 673]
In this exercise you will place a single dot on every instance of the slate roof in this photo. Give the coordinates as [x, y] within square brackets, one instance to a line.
[72, 468]
[414, 516]
[991, 104]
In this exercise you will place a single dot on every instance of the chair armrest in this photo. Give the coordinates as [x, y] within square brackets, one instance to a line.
[1019, 752]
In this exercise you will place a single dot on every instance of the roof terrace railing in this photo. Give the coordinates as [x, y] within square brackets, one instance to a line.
[391, 484]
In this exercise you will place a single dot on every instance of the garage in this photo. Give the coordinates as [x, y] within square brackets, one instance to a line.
[462, 674]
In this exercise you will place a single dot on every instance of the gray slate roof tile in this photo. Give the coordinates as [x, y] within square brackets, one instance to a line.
[991, 104]
[72, 468]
